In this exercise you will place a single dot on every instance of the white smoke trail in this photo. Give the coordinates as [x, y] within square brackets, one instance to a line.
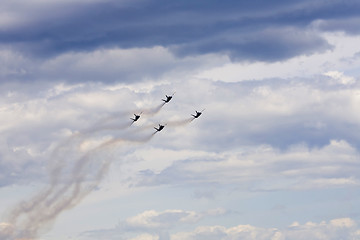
[112, 122]
[181, 122]
[64, 196]
[116, 115]
[67, 189]
[153, 111]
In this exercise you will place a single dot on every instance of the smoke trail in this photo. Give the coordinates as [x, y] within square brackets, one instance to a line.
[117, 115]
[175, 123]
[180, 122]
[73, 175]
[153, 111]
[55, 174]
[28, 218]
[112, 126]
[108, 122]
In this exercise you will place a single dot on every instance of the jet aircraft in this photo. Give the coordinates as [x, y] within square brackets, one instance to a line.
[159, 128]
[136, 117]
[168, 98]
[197, 114]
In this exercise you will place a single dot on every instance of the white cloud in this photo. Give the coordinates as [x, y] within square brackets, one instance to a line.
[145, 237]
[306, 119]
[5, 230]
[152, 219]
[154, 224]
[340, 77]
[344, 228]
[342, 223]
[339, 228]
[267, 168]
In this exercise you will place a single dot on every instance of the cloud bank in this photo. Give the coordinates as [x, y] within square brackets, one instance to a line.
[108, 49]
[156, 225]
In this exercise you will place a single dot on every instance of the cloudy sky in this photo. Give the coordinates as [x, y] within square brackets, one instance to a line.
[275, 154]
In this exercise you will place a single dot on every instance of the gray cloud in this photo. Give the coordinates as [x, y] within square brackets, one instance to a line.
[190, 28]
[347, 25]
[266, 45]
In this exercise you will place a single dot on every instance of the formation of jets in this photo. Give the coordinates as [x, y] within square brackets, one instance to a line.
[161, 127]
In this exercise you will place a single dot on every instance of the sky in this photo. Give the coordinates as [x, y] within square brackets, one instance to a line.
[274, 155]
